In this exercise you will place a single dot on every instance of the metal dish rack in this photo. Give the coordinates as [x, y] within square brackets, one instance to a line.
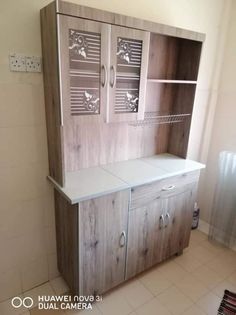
[157, 118]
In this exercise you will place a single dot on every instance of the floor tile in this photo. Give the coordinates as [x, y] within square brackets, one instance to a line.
[192, 288]
[194, 310]
[59, 285]
[152, 307]
[135, 293]
[202, 254]
[221, 287]
[6, 308]
[215, 247]
[224, 266]
[232, 278]
[115, 304]
[94, 311]
[188, 262]
[208, 277]
[172, 271]
[41, 290]
[155, 281]
[174, 300]
[209, 303]
[198, 236]
[36, 311]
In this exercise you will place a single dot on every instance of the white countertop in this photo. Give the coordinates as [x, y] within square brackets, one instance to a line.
[98, 181]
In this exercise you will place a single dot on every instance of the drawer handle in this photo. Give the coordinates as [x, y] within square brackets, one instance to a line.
[161, 222]
[167, 219]
[113, 81]
[122, 239]
[167, 188]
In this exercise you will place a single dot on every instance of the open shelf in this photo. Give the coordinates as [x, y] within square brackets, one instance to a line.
[172, 81]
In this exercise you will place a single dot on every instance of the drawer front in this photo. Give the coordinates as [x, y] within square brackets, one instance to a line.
[144, 194]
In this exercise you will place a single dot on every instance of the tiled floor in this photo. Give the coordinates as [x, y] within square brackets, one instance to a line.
[191, 284]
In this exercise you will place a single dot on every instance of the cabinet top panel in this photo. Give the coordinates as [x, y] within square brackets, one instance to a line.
[98, 181]
[76, 10]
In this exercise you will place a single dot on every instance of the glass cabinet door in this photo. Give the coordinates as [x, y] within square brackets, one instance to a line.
[128, 73]
[84, 66]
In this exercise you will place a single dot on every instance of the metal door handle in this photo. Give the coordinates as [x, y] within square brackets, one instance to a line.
[161, 222]
[113, 82]
[166, 188]
[167, 217]
[122, 239]
[104, 68]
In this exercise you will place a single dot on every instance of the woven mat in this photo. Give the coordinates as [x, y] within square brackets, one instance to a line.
[228, 304]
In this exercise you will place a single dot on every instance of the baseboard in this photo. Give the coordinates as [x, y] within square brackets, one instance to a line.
[203, 226]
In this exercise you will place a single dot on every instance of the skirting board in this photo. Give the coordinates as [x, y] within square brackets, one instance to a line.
[204, 227]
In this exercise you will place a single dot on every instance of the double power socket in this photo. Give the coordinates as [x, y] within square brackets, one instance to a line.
[22, 63]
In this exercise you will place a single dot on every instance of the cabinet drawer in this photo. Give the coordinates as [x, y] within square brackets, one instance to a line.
[144, 194]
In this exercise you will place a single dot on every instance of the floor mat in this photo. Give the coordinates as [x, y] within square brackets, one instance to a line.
[228, 304]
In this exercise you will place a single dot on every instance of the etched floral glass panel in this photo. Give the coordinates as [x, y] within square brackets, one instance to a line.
[84, 68]
[128, 65]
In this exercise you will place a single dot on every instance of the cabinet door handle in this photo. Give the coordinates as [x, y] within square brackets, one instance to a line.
[112, 83]
[166, 188]
[122, 239]
[104, 69]
[167, 219]
[161, 222]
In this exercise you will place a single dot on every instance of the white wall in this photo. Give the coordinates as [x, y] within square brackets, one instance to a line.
[224, 128]
[27, 232]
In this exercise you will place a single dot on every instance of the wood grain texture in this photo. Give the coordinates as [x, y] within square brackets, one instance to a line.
[148, 193]
[145, 238]
[101, 257]
[67, 241]
[180, 208]
[118, 19]
[52, 93]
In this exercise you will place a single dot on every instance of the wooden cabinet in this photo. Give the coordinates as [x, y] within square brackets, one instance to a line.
[160, 229]
[102, 249]
[91, 242]
[101, 73]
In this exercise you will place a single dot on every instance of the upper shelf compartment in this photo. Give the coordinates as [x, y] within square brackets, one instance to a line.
[173, 60]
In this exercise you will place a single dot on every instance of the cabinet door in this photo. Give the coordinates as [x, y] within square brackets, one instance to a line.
[84, 51]
[178, 212]
[102, 239]
[128, 74]
[145, 237]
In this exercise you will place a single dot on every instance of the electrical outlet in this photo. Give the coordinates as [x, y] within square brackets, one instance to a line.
[33, 64]
[17, 62]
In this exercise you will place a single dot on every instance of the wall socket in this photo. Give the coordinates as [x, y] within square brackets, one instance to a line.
[22, 63]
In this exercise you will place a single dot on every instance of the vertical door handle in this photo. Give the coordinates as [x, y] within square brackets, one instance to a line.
[104, 69]
[122, 239]
[167, 218]
[161, 222]
[113, 81]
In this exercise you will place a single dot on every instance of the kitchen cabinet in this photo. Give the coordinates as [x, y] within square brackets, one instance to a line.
[91, 242]
[160, 228]
[101, 73]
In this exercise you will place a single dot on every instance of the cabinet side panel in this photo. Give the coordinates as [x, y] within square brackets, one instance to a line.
[67, 240]
[51, 91]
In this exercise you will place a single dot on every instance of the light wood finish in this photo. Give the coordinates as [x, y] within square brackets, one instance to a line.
[52, 93]
[178, 210]
[67, 240]
[129, 34]
[145, 238]
[101, 254]
[65, 24]
[118, 19]
[145, 194]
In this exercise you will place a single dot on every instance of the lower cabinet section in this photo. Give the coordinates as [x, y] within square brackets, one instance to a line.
[159, 229]
[103, 241]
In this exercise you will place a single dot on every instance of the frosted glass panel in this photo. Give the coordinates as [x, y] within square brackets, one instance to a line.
[84, 68]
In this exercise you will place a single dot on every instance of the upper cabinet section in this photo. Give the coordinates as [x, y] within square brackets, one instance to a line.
[128, 73]
[84, 57]
[103, 70]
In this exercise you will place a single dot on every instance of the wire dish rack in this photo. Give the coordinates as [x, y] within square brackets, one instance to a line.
[156, 118]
